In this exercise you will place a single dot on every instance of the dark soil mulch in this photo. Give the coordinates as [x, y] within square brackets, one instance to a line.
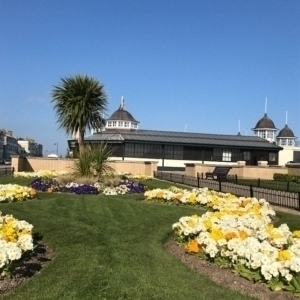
[225, 277]
[30, 266]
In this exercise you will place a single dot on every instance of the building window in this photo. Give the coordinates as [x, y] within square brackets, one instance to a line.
[133, 125]
[139, 150]
[126, 124]
[114, 123]
[109, 124]
[226, 155]
[270, 134]
[173, 152]
[290, 142]
[247, 155]
[120, 123]
[296, 156]
[282, 142]
[262, 134]
[217, 156]
[129, 150]
[272, 156]
[192, 153]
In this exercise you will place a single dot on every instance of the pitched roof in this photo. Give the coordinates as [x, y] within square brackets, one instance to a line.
[183, 138]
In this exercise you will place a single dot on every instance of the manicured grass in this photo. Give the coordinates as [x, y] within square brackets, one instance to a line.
[18, 180]
[109, 247]
[156, 183]
[292, 220]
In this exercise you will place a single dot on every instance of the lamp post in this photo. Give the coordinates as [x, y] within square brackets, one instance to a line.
[56, 147]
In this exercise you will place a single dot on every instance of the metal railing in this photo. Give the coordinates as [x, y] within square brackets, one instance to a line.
[287, 186]
[273, 196]
[7, 171]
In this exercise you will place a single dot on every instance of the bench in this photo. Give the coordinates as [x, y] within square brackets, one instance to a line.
[218, 173]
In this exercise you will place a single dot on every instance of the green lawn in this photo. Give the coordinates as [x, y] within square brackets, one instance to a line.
[11, 179]
[111, 247]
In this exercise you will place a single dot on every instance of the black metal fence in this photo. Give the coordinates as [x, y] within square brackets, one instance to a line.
[7, 171]
[287, 186]
[273, 196]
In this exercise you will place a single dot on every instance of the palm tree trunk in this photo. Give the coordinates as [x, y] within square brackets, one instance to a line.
[81, 141]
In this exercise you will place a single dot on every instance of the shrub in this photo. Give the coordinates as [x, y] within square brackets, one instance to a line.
[286, 177]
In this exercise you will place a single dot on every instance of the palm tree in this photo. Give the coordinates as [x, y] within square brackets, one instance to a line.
[79, 103]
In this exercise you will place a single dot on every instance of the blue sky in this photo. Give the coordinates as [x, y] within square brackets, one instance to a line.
[195, 65]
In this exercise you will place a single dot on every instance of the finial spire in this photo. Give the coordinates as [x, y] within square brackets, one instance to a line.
[286, 117]
[122, 103]
[266, 105]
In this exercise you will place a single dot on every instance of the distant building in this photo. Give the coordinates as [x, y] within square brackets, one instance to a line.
[10, 145]
[174, 149]
[1, 146]
[31, 148]
[265, 128]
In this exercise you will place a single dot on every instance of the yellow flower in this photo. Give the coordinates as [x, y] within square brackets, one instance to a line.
[160, 194]
[207, 223]
[284, 255]
[296, 234]
[216, 234]
[193, 198]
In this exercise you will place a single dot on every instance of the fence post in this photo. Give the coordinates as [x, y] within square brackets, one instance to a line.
[288, 186]
[182, 179]
[236, 178]
[220, 185]
[198, 180]
[202, 176]
[258, 182]
[171, 177]
[5, 171]
[251, 191]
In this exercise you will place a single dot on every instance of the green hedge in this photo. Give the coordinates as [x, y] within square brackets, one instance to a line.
[286, 177]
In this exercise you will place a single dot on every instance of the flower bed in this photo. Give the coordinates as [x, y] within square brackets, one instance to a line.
[51, 185]
[15, 240]
[238, 233]
[15, 192]
[41, 173]
[175, 195]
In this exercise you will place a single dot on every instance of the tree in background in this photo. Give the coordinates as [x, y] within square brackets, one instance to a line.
[79, 103]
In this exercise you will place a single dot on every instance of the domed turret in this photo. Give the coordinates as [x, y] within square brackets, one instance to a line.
[265, 129]
[286, 136]
[121, 119]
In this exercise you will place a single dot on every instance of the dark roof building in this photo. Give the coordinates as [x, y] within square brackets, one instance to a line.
[175, 148]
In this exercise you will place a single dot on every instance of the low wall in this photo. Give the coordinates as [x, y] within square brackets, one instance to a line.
[33, 164]
[262, 172]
